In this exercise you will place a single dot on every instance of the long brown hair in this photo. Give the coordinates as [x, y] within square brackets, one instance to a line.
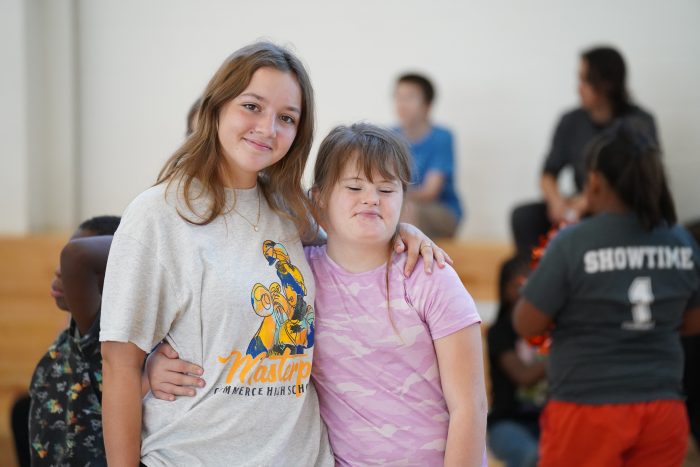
[200, 156]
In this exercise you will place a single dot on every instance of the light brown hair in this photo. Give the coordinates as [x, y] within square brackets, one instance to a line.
[200, 157]
[373, 150]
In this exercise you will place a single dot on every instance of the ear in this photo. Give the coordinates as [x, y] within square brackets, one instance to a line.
[593, 181]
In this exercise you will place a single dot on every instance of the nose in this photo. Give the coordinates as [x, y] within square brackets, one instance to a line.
[266, 125]
[371, 197]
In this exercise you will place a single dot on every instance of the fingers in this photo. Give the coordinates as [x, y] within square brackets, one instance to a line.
[441, 257]
[167, 391]
[411, 259]
[173, 379]
[399, 246]
[162, 395]
[426, 251]
[167, 350]
[163, 363]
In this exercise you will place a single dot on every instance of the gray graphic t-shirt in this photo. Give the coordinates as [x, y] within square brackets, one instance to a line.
[617, 294]
[239, 302]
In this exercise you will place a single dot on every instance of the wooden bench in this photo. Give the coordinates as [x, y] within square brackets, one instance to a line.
[478, 265]
[29, 319]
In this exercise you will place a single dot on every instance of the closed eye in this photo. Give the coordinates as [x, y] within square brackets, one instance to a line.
[353, 188]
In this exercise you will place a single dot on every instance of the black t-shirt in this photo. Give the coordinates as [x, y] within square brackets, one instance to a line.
[572, 135]
[617, 295]
[509, 401]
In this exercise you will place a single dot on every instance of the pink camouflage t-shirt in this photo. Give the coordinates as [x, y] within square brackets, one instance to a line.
[379, 389]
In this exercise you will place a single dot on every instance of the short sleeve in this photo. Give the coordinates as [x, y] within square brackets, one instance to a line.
[547, 287]
[140, 300]
[557, 158]
[443, 154]
[442, 301]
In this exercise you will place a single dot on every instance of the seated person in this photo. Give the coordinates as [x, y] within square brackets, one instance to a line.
[603, 99]
[65, 415]
[518, 381]
[432, 203]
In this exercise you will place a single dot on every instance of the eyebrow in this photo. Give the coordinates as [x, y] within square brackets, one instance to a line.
[290, 108]
[352, 179]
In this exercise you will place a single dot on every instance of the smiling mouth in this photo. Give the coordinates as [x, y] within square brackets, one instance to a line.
[257, 145]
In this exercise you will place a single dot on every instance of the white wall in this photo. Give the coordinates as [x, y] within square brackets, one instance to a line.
[14, 207]
[505, 71]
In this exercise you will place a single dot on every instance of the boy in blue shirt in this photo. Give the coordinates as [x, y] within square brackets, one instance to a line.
[431, 203]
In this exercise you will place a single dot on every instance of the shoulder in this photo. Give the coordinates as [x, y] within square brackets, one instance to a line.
[314, 253]
[151, 203]
[573, 117]
[442, 279]
[441, 133]
[161, 205]
[639, 112]
[682, 235]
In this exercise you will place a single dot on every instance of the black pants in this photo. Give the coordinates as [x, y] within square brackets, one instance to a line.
[20, 429]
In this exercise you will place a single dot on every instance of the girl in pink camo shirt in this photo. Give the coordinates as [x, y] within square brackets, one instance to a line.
[398, 363]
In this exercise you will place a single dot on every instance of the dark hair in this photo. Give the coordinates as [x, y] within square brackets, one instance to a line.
[101, 225]
[511, 269]
[422, 82]
[607, 74]
[629, 159]
[200, 157]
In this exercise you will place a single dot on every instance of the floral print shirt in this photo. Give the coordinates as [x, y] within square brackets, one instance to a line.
[65, 416]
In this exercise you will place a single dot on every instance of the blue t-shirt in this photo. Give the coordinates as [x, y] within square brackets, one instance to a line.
[435, 152]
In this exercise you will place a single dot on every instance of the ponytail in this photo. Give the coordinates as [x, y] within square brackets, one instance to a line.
[630, 161]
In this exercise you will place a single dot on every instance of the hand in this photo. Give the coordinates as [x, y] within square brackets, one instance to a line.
[579, 204]
[169, 376]
[412, 240]
[557, 210]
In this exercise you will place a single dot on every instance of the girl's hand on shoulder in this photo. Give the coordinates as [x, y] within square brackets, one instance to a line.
[169, 376]
[414, 242]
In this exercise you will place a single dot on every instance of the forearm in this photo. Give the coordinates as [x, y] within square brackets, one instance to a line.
[422, 195]
[466, 435]
[691, 322]
[121, 408]
[430, 189]
[550, 190]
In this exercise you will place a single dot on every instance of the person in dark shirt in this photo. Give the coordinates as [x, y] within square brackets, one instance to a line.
[518, 383]
[619, 288]
[65, 415]
[604, 99]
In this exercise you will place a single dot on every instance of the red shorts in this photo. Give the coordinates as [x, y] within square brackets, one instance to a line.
[653, 434]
